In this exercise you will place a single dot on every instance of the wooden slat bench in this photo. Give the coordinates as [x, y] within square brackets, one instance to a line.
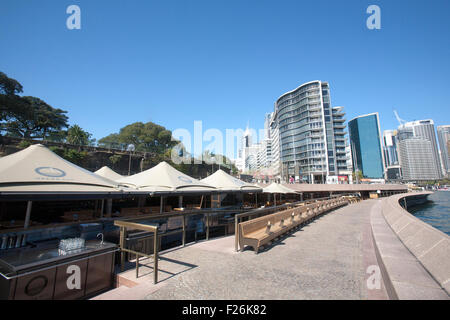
[260, 231]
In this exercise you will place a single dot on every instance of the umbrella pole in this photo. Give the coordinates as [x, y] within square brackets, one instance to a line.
[108, 207]
[28, 215]
[256, 197]
[180, 201]
[161, 204]
[201, 202]
[101, 208]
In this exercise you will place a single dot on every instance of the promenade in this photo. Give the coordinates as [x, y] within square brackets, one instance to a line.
[326, 259]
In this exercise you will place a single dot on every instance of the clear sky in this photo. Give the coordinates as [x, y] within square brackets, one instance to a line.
[226, 62]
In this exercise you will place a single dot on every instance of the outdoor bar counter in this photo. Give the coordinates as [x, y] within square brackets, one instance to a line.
[46, 272]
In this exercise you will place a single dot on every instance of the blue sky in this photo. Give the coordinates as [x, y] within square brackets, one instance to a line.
[226, 62]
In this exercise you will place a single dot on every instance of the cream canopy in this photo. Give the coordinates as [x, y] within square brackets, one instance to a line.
[223, 181]
[37, 169]
[108, 173]
[277, 188]
[163, 178]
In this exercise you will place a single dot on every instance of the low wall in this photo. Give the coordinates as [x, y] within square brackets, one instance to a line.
[430, 246]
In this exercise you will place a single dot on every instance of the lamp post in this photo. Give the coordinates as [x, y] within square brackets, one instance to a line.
[130, 149]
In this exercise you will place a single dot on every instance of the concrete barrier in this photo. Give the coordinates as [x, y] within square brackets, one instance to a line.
[428, 245]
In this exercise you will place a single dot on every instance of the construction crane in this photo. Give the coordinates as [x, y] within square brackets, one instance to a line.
[400, 120]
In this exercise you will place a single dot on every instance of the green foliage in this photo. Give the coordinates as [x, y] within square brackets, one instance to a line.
[146, 137]
[77, 136]
[27, 117]
[75, 156]
[115, 159]
[33, 118]
[358, 175]
[24, 144]
[111, 141]
[57, 136]
[9, 88]
[59, 151]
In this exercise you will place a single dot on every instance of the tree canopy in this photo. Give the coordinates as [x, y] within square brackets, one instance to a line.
[147, 137]
[9, 88]
[27, 117]
[76, 135]
[33, 118]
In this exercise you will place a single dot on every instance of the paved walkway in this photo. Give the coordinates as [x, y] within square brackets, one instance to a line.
[326, 259]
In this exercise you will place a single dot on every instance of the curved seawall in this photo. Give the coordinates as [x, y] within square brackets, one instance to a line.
[423, 270]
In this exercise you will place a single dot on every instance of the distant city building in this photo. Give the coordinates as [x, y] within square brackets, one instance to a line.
[311, 134]
[348, 154]
[444, 139]
[425, 129]
[365, 142]
[416, 156]
[390, 147]
[265, 154]
[274, 132]
[394, 172]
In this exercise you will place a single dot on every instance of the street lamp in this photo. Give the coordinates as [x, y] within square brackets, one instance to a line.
[130, 149]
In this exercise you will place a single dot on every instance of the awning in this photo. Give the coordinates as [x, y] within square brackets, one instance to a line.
[223, 181]
[38, 171]
[108, 173]
[164, 179]
[277, 188]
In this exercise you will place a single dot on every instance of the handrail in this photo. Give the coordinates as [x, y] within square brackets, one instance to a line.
[123, 234]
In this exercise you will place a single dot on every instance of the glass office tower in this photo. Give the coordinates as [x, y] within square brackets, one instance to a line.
[365, 143]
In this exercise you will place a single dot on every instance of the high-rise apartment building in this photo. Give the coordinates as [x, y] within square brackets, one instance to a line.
[311, 133]
[444, 138]
[365, 142]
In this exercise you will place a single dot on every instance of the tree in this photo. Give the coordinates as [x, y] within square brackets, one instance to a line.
[75, 156]
[58, 136]
[32, 117]
[357, 176]
[147, 137]
[77, 136]
[9, 90]
[115, 159]
[111, 141]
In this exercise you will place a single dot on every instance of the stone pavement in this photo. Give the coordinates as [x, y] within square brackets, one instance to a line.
[326, 259]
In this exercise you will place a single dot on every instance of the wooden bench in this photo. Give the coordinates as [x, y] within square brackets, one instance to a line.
[260, 231]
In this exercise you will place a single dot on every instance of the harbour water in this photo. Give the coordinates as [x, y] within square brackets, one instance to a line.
[436, 211]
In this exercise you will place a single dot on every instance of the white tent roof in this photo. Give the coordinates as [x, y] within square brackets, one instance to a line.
[37, 169]
[277, 188]
[108, 173]
[165, 178]
[222, 180]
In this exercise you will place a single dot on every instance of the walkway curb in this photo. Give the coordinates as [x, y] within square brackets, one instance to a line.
[404, 273]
